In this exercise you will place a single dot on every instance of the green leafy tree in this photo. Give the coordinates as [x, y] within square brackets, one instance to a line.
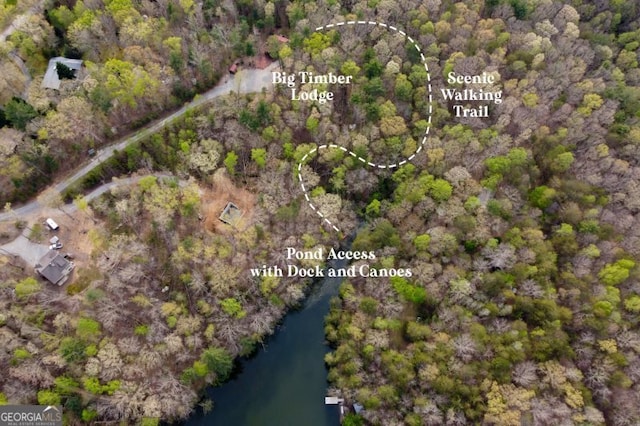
[88, 328]
[520, 8]
[373, 209]
[374, 88]
[273, 46]
[218, 361]
[147, 183]
[72, 349]
[403, 88]
[61, 18]
[498, 165]
[19, 113]
[20, 354]
[66, 385]
[602, 309]
[27, 287]
[408, 291]
[120, 9]
[200, 368]
[542, 196]
[421, 242]
[373, 68]
[590, 102]
[141, 330]
[64, 72]
[383, 235]
[614, 274]
[88, 415]
[259, 155]
[232, 307]
[93, 385]
[48, 397]
[632, 304]
[352, 419]
[350, 68]
[399, 369]
[312, 124]
[248, 119]
[317, 42]
[230, 162]
[440, 190]
[562, 162]
[127, 82]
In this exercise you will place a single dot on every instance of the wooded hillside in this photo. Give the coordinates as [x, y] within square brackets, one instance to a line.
[521, 229]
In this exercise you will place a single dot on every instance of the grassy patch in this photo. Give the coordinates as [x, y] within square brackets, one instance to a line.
[36, 232]
[85, 277]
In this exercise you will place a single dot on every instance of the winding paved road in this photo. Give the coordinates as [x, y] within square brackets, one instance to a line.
[245, 81]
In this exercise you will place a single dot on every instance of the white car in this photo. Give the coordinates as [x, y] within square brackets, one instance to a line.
[52, 224]
[55, 246]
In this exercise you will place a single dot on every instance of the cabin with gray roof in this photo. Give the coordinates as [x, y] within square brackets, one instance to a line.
[51, 79]
[54, 267]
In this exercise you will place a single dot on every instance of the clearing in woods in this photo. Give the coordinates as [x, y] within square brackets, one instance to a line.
[214, 201]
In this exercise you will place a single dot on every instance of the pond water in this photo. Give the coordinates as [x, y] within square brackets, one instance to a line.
[285, 383]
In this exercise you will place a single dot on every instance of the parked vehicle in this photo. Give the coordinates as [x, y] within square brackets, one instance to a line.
[52, 224]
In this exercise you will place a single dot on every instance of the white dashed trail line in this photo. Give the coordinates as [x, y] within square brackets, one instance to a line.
[353, 154]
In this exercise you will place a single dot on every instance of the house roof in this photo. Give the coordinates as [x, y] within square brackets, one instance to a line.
[54, 267]
[282, 39]
[231, 214]
[51, 79]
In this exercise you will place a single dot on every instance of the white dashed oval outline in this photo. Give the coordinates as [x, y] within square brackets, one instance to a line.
[353, 154]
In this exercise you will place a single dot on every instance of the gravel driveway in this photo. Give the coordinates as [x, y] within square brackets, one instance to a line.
[30, 252]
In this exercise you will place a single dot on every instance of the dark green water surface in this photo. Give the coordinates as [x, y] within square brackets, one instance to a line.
[285, 383]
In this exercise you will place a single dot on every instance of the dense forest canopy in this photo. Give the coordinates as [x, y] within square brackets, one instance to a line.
[520, 229]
